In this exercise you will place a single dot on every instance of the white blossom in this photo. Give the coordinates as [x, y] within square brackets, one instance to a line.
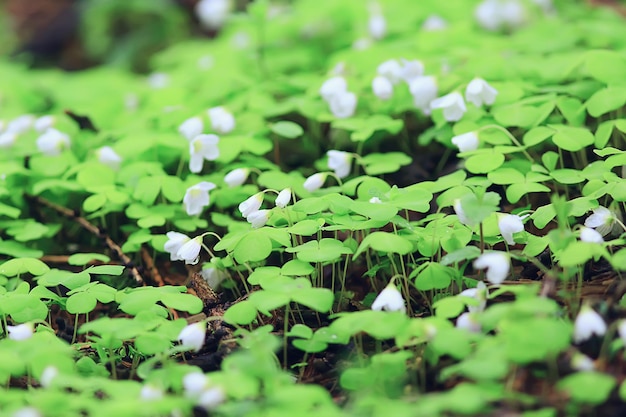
[434, 23]
[251, 204]
[150, 392]
[377, 26]
[236, 177]
[7, 139]
[192, 336]
[602, 219]
[158, 80]
[340, 162]
[621, 330]
[197, 197]
[43, 123]
[212, 14]
[27, 412]
[222, 121]
[479, 92]
[460, 213]
[213, 277]
[588, 323]
[382, 87]
[497, 14]
[315, 181]
[508, 225]
[174, 242]
[497, 265]
[375, 200]
[332, 87]
[389, 299]
[283, 198]
[52, 142]
[478, 293]
[390, 69]
[211, 398]
[107, 156]
[513, 13]
[468, 322]
[581, 362]
[590, 235]
[258, 218]
[200, 148]
[49, 373]
[452, 105]
[21, 331]
[194, 383]
[343, 105]
[466, 142]
[191, 128]
[424, 90]
[20, 124]
[190, 251]
[411, 70]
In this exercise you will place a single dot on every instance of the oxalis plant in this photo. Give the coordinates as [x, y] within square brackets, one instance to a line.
[343, 208]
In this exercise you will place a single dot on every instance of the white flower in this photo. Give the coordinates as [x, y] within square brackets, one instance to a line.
[197, 197]
[174, 242]
[466, 142]
[411, 70]
[158, 80]
[236, 177]
[433, 23]
[332, 87]
[340, 162]
[382, 87]
[497, 265]
[601, 219]
[343, 105]
[7, 139]
[590, 235]
[478, 293]
[190, 251]
[512, 13]
[194, 383]
[213, 277]
[21, 124]
[391, 69]
[49, 373]
[452, 104]
[27, 412]
[315, 181]
[52, 142]
[258, 218]
[581, 362]
[588, 323]
[488, 15]
[375, 200]
[212, 14]
[478, 91]
[362, 44]
[377, 26]
[468, 322]
[150, 393]
[424, 90]
[509, 224]
[43, 123]
[107, 156]
[200, 148]
[21, 331]
[222, 121]
[251, 204]
[191, 128]
[283, 198]
[211, 398]
[389, 299]
[460, 213]
[192, 336]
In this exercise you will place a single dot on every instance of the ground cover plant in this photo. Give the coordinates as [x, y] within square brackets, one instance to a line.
[327, 208]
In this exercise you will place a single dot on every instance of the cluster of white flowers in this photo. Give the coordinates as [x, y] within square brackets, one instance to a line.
[183, 248]
[251, 207]
[342, 103]
[495, 15]
[50, 142]
[202, 391]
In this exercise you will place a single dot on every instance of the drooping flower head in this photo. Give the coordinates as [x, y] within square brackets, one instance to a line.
[197, 197]
[497, 265]
[466, 142]
[236, 177]
[508, 225]
[193, 335]
[389, 299]
[588, 323]
[424, 90]
[200, 148]
[452, 105]
[222, 121]
[315, 181]
[283, 198]
[251, 204]
[340, 162]
[479, 92]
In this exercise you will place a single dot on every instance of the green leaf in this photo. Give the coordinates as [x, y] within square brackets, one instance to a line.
[318, 299]
[243, 312]
[94, 202]
[182, 302]
[106, 269]
[485, 161]
[324, 250]
[588, 387]
[81, 303]
[256, 246]
[84, 258]
[572, 138]
[384, 242]
[606, 100]
[289, 130]
[606, 66]
[434, 276]
[20, 266]
[537, 135]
